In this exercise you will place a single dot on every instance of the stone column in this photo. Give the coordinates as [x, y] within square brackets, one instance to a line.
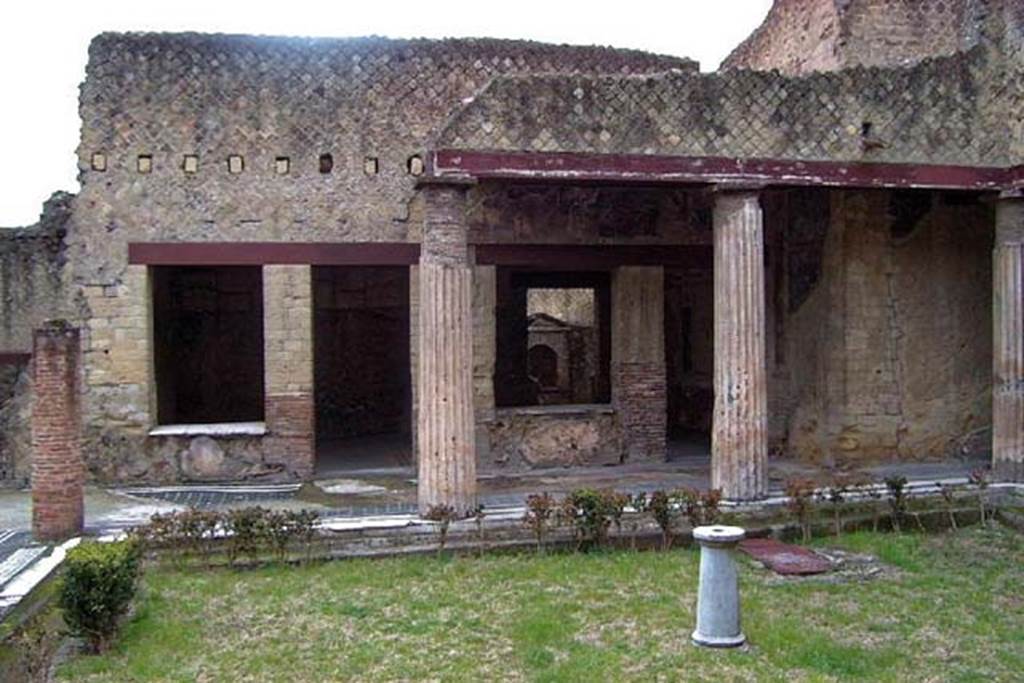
[638, 360]
[739, 441]
[58, 472]
[446, 455]
[288, 371]
[1008, 339]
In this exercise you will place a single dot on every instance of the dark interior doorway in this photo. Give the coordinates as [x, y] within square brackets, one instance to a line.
[689, 359]
[362, 367]
[208, 343]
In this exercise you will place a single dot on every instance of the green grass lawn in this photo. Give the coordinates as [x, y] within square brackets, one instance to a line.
[953, 611]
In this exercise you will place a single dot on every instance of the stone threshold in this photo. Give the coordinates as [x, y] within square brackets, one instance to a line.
[568, 409]
[212, 429]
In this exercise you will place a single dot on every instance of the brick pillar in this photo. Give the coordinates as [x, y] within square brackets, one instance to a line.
[1008, 339]
[58, 472]
[638, 360]
[446, 455]
[288, 359]
[739, 440]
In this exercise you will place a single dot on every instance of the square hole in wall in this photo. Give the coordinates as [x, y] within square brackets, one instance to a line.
[145, 163]
[326, 163]
[236, 163]
[414, 165]
[282, 165]
[99, 161]
[370, 166]
[190, 164]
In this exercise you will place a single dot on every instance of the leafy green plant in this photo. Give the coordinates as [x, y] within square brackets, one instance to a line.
[541, 509]
[800, 494]
[443, 516]
[896, 486]
[97, 588]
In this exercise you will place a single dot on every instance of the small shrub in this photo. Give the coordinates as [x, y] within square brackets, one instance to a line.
[247, 530]
[540, 512]
[639, 504]
[97, 588]
[591, 513]
[701, 508]
[479, 515]
[979, 477]
[800, 492]
[897, 487]
[834, 494]
[662, 509]
[196, 530]
[36, 646]
[948, 493]
[443, 515]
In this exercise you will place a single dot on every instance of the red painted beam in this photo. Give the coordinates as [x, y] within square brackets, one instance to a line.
[591, 257]
[545, 256]
[14, 358]
[640, 168]
[261, 253]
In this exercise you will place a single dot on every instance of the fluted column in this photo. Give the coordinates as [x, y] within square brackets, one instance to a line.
[1008, 339]
[739, 441]
[446, 453]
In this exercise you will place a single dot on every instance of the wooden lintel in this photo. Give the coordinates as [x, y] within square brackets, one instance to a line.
[273, 253]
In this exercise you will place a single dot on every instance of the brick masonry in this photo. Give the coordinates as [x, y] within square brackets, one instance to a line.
[288, 331]
[57, 470]
[640, 402]
[639, 391]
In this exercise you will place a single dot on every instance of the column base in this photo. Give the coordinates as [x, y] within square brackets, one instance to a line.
[715, 641]
[1006, 470]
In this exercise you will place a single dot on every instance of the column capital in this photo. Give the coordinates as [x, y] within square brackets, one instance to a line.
[462, 181]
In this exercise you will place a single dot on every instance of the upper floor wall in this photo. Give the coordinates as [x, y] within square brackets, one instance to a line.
[227, 138]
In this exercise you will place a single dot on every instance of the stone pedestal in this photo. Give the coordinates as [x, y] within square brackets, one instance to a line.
[739, 441]
[1008, 339]
[445, 441]
[58, 472]
[718, 597]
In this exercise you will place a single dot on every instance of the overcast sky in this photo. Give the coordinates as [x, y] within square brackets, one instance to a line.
[43, 52]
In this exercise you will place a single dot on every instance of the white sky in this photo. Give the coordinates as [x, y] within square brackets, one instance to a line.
[44, 44]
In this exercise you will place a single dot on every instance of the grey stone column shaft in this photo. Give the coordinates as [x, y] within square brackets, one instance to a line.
[446, 453]
[739, 441]
[1008, 339]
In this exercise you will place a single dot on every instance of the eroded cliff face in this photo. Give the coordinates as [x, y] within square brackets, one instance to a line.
[805, 36]
[890, 353]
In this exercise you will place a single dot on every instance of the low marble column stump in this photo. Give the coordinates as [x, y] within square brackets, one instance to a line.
[718, 596]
